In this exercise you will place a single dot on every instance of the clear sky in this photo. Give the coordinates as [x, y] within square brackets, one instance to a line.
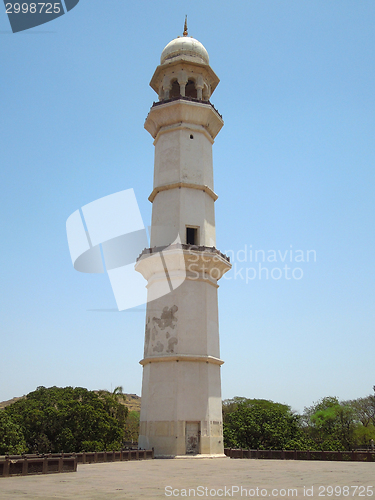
[293, 166]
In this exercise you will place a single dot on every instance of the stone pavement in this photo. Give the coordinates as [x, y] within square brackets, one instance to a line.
[153, 479]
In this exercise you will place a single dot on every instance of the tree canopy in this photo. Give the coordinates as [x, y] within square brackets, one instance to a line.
[69, 419]
[260, 424]
[12, 440]
[345, 425]
[329, 424]
[75, 419]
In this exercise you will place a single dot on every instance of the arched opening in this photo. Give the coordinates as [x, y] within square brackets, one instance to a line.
[175, 90]
[190, 90]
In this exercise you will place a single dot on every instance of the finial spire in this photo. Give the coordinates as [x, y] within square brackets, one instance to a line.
[185, 33]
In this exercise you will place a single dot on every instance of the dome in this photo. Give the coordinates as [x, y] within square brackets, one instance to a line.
[185, 46]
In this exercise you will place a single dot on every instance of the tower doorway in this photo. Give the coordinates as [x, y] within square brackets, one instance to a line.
[192, 434]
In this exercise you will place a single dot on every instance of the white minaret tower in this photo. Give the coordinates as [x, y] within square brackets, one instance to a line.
[181, 390]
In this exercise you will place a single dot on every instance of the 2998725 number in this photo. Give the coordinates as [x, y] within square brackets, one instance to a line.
[33, 8]
[345, 491]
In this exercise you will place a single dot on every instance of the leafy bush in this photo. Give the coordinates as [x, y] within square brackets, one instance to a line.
[260, 424]
[67, 419]
[12, 441]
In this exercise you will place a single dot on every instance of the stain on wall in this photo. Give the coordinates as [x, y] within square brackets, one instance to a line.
[171, 343]
[147, 332]
[159, 347]
[167, 319]
[158, 336]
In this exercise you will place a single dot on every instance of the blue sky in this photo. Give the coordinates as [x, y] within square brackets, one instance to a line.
[294, 170]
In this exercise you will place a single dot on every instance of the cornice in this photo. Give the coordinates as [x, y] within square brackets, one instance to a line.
[183, 111]
[182, 357]
[180, 185]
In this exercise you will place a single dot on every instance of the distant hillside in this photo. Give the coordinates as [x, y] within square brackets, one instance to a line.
[9, 402]
[133, 402]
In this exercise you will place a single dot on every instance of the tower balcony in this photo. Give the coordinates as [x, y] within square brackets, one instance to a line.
[187, 98]
[183, 111]
[181, 261]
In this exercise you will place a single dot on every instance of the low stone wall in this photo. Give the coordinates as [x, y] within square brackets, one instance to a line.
[113, 456]
[25, 465]
[348, 456]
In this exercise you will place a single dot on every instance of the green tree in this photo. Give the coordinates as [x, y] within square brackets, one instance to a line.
[68, 419]
[363, 435]
[12, 441]
[115, 404]
[330, 424]
[132, 427]
[364, 410]
[364, 415]
[258, 423]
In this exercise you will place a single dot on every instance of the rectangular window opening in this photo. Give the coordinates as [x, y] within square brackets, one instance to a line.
[192, 236]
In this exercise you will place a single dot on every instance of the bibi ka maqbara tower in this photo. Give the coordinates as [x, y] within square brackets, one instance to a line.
[181, 410]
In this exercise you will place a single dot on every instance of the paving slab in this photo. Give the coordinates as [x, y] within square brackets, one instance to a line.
[205, 478]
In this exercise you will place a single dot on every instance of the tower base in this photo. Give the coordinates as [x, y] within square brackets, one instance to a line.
[174, 439]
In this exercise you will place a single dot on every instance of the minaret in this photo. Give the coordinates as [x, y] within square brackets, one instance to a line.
[181, 391]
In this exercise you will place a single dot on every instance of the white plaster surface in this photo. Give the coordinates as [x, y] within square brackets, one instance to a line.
[174, 209]
[174, 391]
[179, 158]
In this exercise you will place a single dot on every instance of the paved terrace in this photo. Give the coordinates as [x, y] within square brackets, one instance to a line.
[148, 480]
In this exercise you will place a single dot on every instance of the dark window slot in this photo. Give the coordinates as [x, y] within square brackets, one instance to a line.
[191, 236]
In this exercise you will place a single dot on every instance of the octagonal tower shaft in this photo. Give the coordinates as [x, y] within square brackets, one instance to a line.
[181, 389]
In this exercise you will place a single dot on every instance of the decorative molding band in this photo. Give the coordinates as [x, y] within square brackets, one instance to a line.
[182, 357]
[175, 185]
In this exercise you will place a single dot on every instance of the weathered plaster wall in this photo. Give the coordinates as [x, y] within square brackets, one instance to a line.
[176, 392]
[183, 322]
[191, 207]
[178, 157]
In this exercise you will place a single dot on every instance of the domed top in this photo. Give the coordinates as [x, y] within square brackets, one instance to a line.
[185, 46]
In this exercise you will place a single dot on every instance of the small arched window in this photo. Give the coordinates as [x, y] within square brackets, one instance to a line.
[175, 90]
[190, 90]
